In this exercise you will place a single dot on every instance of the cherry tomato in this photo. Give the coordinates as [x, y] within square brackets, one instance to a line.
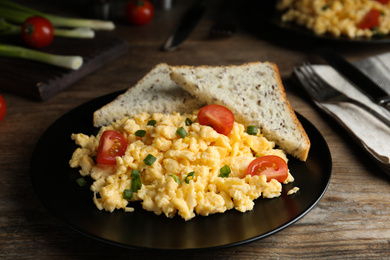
[3, 108]
[37, 32]
[370, 20]
[383, 1]
[111, 145]
[274, 167]
[220, 118]
[139, 12]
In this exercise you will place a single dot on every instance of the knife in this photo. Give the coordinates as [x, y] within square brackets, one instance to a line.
[185, 26]
[354, 75]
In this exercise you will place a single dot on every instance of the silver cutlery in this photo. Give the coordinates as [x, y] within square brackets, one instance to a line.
[323, 92]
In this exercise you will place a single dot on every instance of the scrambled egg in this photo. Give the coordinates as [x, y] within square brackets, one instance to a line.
[167, 187]
[336, 17]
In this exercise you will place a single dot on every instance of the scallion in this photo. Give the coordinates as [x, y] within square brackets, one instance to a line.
[188, 122]
[7, 28]
[189, 177]
[181, 132]
[18, 13]
[174, 176]
[140, 133]
[251, 130]
[136, 183]
[150, 159]
[69, 62]
[135, 173]
[127, 194]
[224, 171]
[81, 181]
[151, 122]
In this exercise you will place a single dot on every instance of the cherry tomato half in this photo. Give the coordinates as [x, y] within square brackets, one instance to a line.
[370, 20]
[139, 12]
[37, 32]
[3, 108]
[274, 167]
[220, 118]
[111, 145]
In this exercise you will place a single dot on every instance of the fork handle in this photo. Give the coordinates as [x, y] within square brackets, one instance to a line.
[385, 120]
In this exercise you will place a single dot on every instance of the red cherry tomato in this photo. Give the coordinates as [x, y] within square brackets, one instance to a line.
[383, 1]
[274, 167]
[370, 20]
[111, 145]
[139, 12]
[37, 32]
[3, 108]
[220, 118]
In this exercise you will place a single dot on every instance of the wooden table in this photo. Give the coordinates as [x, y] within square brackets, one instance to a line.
[352, 220]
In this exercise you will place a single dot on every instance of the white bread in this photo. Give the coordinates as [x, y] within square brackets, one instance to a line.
[155, 92]
[255, 94]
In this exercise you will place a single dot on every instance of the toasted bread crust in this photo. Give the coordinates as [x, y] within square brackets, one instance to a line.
[258, 79]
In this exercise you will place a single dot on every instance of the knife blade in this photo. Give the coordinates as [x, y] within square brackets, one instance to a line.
[357, 77]
[185, 26]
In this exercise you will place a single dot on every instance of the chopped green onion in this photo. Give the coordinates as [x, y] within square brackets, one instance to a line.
[151, 122]
[18, 13]
[181, 132]
[140, 133]
[251, 130]
[189, 177]
[188, 122]
[150, 159]
[136, 183]
[127, 194]
[81, 181]
[176, 178]
[135, 173]
[224, 171]
[69, 62]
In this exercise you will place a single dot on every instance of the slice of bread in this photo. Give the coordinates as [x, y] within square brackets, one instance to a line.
[255, 94]
[154, 93]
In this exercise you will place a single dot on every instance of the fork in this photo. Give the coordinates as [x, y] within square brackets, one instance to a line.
[225, 25]
[323, 92]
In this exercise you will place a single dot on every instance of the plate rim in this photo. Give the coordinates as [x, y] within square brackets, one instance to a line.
[113, 95]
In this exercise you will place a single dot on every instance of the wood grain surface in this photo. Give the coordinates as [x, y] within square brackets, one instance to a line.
[352, 220]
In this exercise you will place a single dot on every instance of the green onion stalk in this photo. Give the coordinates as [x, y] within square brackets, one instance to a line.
[18, 13]
[69, 62]
[8, 28]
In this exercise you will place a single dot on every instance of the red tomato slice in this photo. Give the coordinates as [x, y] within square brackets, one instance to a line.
[3, 107]
[370, 20]
[218, 117]
[111, 145]
[274, 167]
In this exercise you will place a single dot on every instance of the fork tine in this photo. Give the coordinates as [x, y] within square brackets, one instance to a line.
[306, 82]
[320, 81]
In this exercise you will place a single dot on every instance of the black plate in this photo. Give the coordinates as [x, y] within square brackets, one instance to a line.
[266, 12]
[54, 183]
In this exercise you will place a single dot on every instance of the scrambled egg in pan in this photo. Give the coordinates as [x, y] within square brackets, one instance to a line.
[184, 178]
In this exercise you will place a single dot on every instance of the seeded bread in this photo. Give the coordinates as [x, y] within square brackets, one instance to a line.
[255, 94]
[155, 92]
